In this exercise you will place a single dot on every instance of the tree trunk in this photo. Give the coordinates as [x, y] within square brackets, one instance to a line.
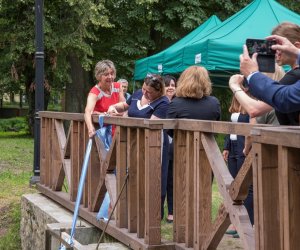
[76, 91]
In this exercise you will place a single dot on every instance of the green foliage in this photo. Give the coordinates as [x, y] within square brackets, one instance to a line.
[17, 124]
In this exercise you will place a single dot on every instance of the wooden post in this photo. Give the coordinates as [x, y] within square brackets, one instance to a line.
[141, 183]
[153, 144]
[289, 193]
[121, 212]
[132, 183]
[179, 193]
[190, 190]
[203, 193]
[266, 197]
[75, 167]
[43, 151]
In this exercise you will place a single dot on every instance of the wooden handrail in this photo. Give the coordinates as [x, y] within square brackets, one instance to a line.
[136, 149]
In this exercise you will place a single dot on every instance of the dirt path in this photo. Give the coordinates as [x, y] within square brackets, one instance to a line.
[228, 243]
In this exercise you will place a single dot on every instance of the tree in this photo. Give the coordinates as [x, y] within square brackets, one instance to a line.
[78, 33]
[69, 28]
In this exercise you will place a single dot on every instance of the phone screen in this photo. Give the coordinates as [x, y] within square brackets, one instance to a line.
[260, 46]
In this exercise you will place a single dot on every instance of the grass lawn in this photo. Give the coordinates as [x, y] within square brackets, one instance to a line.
[16, 161]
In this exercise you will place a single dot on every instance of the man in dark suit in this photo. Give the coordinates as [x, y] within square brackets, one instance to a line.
[284, 98]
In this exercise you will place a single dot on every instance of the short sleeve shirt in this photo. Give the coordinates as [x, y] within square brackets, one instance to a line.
[104, 100]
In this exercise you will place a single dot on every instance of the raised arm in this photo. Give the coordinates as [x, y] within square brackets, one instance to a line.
[252, 106]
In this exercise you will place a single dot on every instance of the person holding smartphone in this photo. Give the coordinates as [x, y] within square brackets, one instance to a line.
[292, 32]
[284, 98]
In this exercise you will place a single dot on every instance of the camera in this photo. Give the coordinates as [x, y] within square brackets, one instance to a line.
[260, 46]
[266, 55]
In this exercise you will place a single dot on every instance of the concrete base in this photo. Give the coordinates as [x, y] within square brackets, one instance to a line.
[40, 214]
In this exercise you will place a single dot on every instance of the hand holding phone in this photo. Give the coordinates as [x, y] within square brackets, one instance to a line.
[266, 55]
[260, 46]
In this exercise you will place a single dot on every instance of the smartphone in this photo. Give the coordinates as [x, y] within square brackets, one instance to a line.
[260, 46]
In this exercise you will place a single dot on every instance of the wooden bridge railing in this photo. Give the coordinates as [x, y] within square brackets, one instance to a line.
[136, 150]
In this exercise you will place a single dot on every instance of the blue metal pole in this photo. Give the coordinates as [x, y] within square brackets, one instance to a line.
[80, 190]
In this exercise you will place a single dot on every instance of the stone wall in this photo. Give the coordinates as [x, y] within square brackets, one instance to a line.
[40, 213]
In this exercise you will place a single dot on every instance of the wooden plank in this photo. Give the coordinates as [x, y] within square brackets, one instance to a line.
[179, 198]
[153, 141]
[81, 143]
[59, 126]
[80, 139]
[190, 208]
[196, 197]
[238, 213]
[216, 126]
[294, 194]
[110, 161]
[121, 212]
[75, 166]
[67, 168]
[111, 158]
[43, 152]
[67, 147]
[141, 122]
[93, 175]
[132, 183]
[61, 142]
[220, 170]
[101, 189]
[57, 166]
[67, 159]
[84, 136]
[218, 230]
[62, 115]
[240, 186]
[289, 192]
[283, 182]
[48, 152]
[121, 234]
[289, 136]
[111, 186]
[203, 194]
[140, 183]
[266, 165]
[256, 147]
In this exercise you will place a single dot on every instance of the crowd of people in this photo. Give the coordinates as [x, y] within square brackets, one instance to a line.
[266, 98]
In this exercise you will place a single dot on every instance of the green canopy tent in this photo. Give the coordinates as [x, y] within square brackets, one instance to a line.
[219, 49]
[154, 63]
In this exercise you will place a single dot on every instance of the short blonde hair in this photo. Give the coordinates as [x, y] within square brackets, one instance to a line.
[102, 66]
[194, 82]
